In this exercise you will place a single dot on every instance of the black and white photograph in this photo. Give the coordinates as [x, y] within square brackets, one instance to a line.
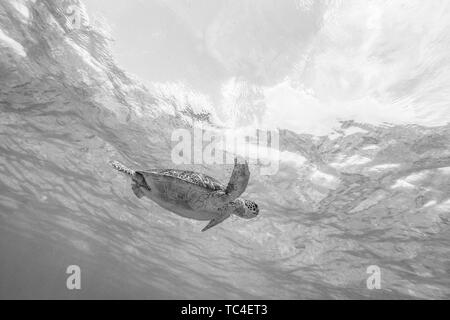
[224, 150]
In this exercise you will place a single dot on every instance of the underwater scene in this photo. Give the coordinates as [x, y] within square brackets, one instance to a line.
[340, 108]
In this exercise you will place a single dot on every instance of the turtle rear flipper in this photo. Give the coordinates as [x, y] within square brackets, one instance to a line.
[137, 190]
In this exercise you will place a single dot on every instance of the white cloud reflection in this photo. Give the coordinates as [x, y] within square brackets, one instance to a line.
[313, 63]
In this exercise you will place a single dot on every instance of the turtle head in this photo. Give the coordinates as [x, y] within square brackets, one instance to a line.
[246, 209]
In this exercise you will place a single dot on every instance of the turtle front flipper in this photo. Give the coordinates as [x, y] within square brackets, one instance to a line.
[238, 181]
[236, 186]
[223, 216]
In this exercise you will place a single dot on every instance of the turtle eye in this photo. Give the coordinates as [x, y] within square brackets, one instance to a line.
[252, 206]
[255, 209]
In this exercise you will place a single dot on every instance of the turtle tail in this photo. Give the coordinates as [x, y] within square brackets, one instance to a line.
[120, 167]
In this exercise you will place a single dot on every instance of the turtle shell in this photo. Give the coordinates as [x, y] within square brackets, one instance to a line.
[195, 178]
[182, 192]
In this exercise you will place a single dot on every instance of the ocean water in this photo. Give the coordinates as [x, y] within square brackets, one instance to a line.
[372, 190]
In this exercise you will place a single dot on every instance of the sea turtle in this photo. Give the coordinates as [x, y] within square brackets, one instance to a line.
[194, 195]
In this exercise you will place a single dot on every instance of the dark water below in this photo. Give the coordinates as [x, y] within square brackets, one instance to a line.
[62, 204]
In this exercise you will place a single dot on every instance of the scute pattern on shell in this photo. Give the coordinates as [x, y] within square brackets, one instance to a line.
[194, 178]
